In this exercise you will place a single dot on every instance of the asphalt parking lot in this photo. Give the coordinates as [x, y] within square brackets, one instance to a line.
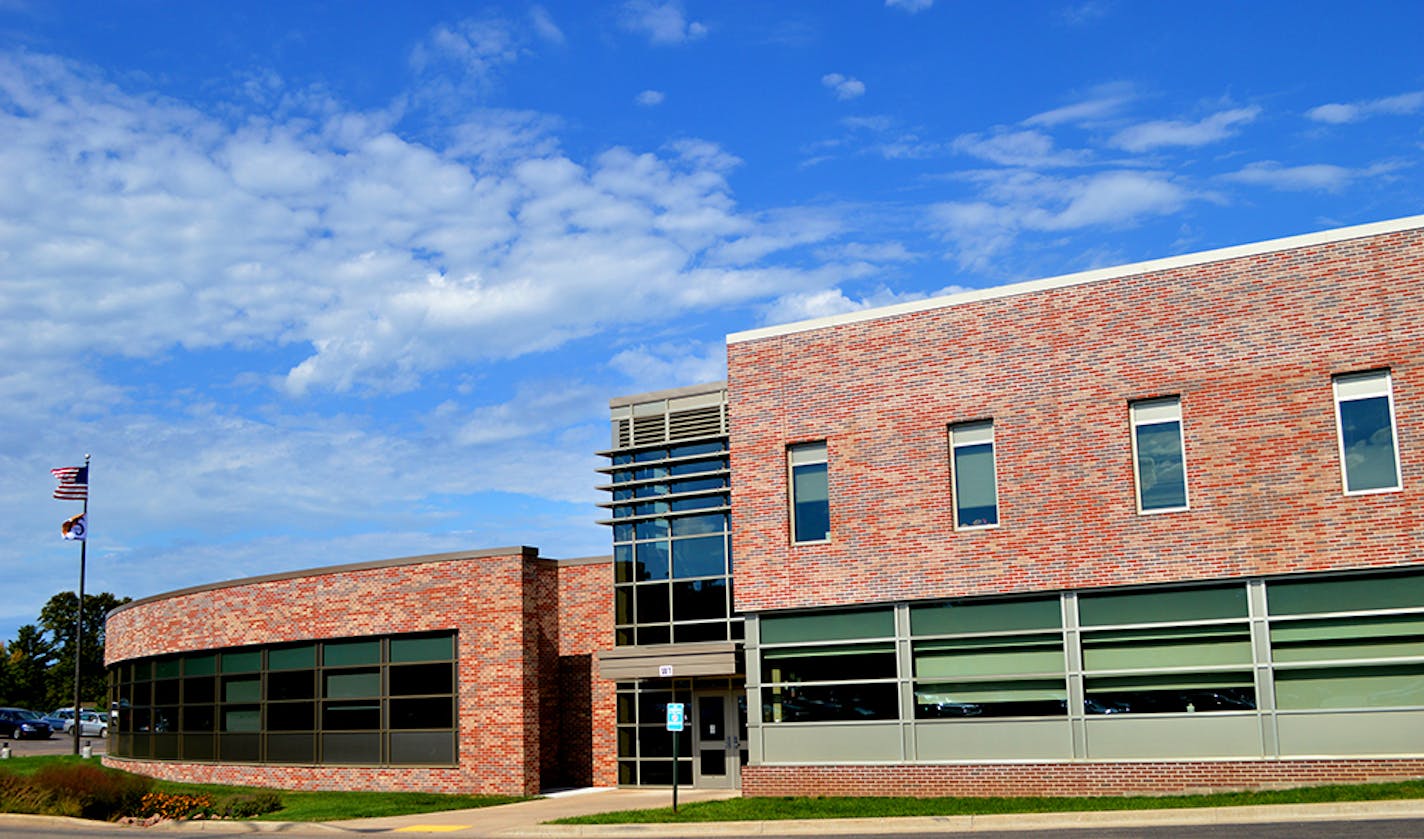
[59, 744]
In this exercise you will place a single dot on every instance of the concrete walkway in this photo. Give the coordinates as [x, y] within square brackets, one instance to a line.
[526, 819]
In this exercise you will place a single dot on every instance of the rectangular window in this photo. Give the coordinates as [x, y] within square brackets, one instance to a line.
[810, 493]
[1158, 454]
[1364, 405]
[976, 496]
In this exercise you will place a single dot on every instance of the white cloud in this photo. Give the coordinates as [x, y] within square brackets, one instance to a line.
[1340, 113]
[477, 47]
[1156, 134]
[845, 87]
[544, 25]
[910, 6]
[671, 364]
[650, 98]
[805, 305]
[1316, 177]
[1033, 149]
[1103, 102]
[1013, 203]
[663, 23]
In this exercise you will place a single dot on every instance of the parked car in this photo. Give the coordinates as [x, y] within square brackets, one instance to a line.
[91, 724]
[62, 719]
[20, 724]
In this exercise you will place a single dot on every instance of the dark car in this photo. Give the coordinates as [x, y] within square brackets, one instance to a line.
[19, 724]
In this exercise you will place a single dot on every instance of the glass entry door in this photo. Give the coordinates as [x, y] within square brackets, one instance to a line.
[717, 744]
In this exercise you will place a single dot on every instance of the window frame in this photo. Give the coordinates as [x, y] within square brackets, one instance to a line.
[809, 453]
[1158, 407]
[973, 430]
[1361, 380]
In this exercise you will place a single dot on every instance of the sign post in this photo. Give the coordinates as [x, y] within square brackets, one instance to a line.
[674, 725]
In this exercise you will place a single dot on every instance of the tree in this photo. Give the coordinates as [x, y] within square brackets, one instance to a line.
[57, 619]
[31, 656]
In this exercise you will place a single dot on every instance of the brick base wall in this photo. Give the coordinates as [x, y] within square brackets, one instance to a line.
[380, 778]
[1086, 778]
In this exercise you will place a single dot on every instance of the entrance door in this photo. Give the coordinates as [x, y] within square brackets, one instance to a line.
[717, 741]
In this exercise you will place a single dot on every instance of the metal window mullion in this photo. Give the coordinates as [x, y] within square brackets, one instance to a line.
[1073, 668]
[1264, 675]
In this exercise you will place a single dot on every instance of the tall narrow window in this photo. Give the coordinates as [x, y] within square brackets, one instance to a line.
[1365, 411]
[1157, 451]
[810, 496]
[976, 497]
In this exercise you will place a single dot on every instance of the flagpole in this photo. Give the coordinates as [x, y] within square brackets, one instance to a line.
[79, 620]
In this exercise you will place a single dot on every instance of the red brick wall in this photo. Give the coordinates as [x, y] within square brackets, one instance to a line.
[1249, 344]
[1087, 778]
[504, 607]
[587, 732]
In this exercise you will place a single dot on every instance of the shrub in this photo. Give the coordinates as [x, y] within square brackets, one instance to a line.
[21, 795]
[91, 792]
[247, 805]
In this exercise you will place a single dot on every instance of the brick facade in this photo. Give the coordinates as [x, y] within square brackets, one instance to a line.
[1183, 777]
[1249, 344]
[514, 665]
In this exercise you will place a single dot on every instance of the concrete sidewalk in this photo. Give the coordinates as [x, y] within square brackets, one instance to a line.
[526, 819]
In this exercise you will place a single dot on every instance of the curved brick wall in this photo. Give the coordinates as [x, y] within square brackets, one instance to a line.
[506, 607]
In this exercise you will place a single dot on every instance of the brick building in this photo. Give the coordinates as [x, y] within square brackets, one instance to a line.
[464, 672]
[1147, 528]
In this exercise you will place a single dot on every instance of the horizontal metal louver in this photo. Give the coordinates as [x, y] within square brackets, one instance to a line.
[649, 430]
[700, 422]
[622, 434]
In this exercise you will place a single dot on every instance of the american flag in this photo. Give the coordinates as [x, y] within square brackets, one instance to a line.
[73, 483]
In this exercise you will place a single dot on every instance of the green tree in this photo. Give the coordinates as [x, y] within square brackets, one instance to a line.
[31, 656]
[57, 619]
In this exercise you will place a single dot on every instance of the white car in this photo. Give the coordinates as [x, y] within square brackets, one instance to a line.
[91, 724]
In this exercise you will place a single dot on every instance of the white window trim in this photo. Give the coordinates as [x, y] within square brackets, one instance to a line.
[806, 454]
[972, 434]
[1365, 385]
[1154, 412]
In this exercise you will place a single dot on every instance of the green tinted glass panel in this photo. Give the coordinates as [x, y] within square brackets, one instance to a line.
[166, 668]
[438, 648]
[1161, 479]
[1350, 687]
[241, 719]
[1177, 647]
[1025, 691]
[292, 658]
[975, 501]
[1191, 604]
[945, 659]
[200, 665]
[243, 662]
[828, 626]
[1337, 639]
[351, 652]
[1002, 616]
[343, 685]
[1172, 681]
[1346, 594]
[242, 690]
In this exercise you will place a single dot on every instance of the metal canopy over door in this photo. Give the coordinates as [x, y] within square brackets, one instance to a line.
[719, 734]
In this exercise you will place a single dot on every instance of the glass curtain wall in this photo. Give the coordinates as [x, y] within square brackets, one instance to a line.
[366, 701]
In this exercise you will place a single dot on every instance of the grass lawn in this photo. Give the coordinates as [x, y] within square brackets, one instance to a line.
[301, 806]
[771, 809]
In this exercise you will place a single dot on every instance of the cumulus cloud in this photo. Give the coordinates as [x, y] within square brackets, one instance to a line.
[910, 6]
[1337, 113]
[663, 23]
[845, 87]
[1159, 133]
[806, 305]
[671, 364]
[649, 98]
[477, 47]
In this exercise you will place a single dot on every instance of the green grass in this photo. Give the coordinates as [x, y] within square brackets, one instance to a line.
[774, 809]
[302, 806]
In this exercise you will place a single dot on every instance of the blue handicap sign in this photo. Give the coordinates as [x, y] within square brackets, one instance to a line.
[674, 716]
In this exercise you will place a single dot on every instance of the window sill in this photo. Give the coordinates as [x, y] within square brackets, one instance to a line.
[1164, 510]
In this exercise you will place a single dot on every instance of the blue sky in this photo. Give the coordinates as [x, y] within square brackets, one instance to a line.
[322, 282]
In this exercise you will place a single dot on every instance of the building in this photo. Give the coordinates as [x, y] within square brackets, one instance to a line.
[1151, 528]
[466, 672]
[1145, 528]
